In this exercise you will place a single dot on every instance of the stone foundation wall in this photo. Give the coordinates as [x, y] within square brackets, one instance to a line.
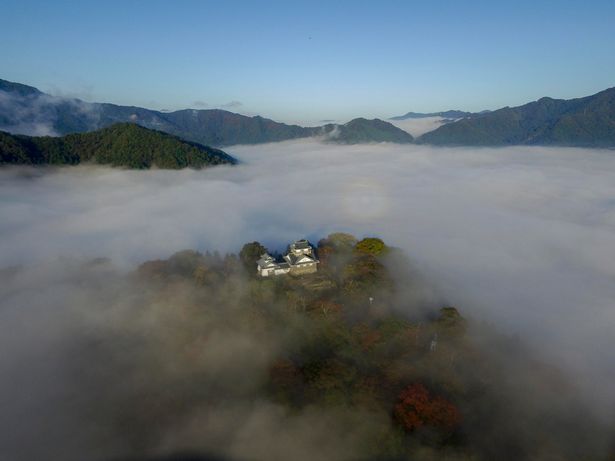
[303, 270]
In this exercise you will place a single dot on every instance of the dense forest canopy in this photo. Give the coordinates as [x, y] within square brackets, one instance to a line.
[123, 144]
[580, 122]
[360, 360]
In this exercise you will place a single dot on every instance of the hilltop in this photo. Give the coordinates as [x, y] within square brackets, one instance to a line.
[356, 347]
[361, 360]
[123, 144]
[361, 130]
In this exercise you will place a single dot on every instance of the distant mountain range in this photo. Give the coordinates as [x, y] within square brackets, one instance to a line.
[581, 122]
[586, 122]
[25, 109]
[123, 144]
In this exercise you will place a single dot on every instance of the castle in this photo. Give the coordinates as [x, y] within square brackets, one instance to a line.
[299, 260]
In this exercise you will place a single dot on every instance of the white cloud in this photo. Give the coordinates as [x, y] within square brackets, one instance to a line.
[200, 104]
[232, 105]
[418, 126]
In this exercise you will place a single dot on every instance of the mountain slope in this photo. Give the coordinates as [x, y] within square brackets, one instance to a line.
[25, 109]
[582, 122]
[220, 127]
[125, 144]
[18, 88]
[361, 130]
[210, 126]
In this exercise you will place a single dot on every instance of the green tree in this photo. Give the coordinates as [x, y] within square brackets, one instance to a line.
[371, 245]
[201, 274]
[341, 241]
[450, 322]
[250, 253]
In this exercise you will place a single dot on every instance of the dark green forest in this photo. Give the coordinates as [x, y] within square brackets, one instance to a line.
[581, 122]
[121, 145]
[361, 130]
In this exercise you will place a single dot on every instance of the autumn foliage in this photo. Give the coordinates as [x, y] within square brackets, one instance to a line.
[367, 337]
[417, 408]
[371, 246]
[284, 374]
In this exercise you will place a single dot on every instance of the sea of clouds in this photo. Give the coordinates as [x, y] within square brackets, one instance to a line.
[523, 237]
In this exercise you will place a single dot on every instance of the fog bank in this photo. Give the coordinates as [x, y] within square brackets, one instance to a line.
[418, 126]
[523, 237]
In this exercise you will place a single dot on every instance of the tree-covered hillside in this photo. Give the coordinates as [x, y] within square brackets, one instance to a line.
[18, 88]
[196, 357]
[356, 349]
[126, 145]
[583, 122]
[361, 130]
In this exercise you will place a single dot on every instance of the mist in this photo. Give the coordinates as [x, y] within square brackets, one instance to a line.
[418, 126]
[35, 114]
[521, 238]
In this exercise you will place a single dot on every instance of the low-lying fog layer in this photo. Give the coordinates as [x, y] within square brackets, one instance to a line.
[418, 126]
[521, 237]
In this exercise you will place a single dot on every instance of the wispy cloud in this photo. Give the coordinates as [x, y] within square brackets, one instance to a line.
[232, 105]
[37, 115]
[200, 104]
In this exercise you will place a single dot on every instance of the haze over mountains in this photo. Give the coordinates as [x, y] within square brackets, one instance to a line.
[581, 122]
[27, 110]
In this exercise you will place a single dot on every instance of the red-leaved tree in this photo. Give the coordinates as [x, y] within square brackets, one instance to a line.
[417, 407]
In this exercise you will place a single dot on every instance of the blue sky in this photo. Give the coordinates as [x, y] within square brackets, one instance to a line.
[307, 61]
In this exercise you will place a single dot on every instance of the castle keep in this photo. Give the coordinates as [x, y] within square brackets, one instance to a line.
[300, 259]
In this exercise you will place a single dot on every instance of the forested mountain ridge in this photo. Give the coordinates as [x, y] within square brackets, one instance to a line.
[19, 88]
[26, 109]
[581, 122]
[361, 130]
[214, 127]
[123, 144]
